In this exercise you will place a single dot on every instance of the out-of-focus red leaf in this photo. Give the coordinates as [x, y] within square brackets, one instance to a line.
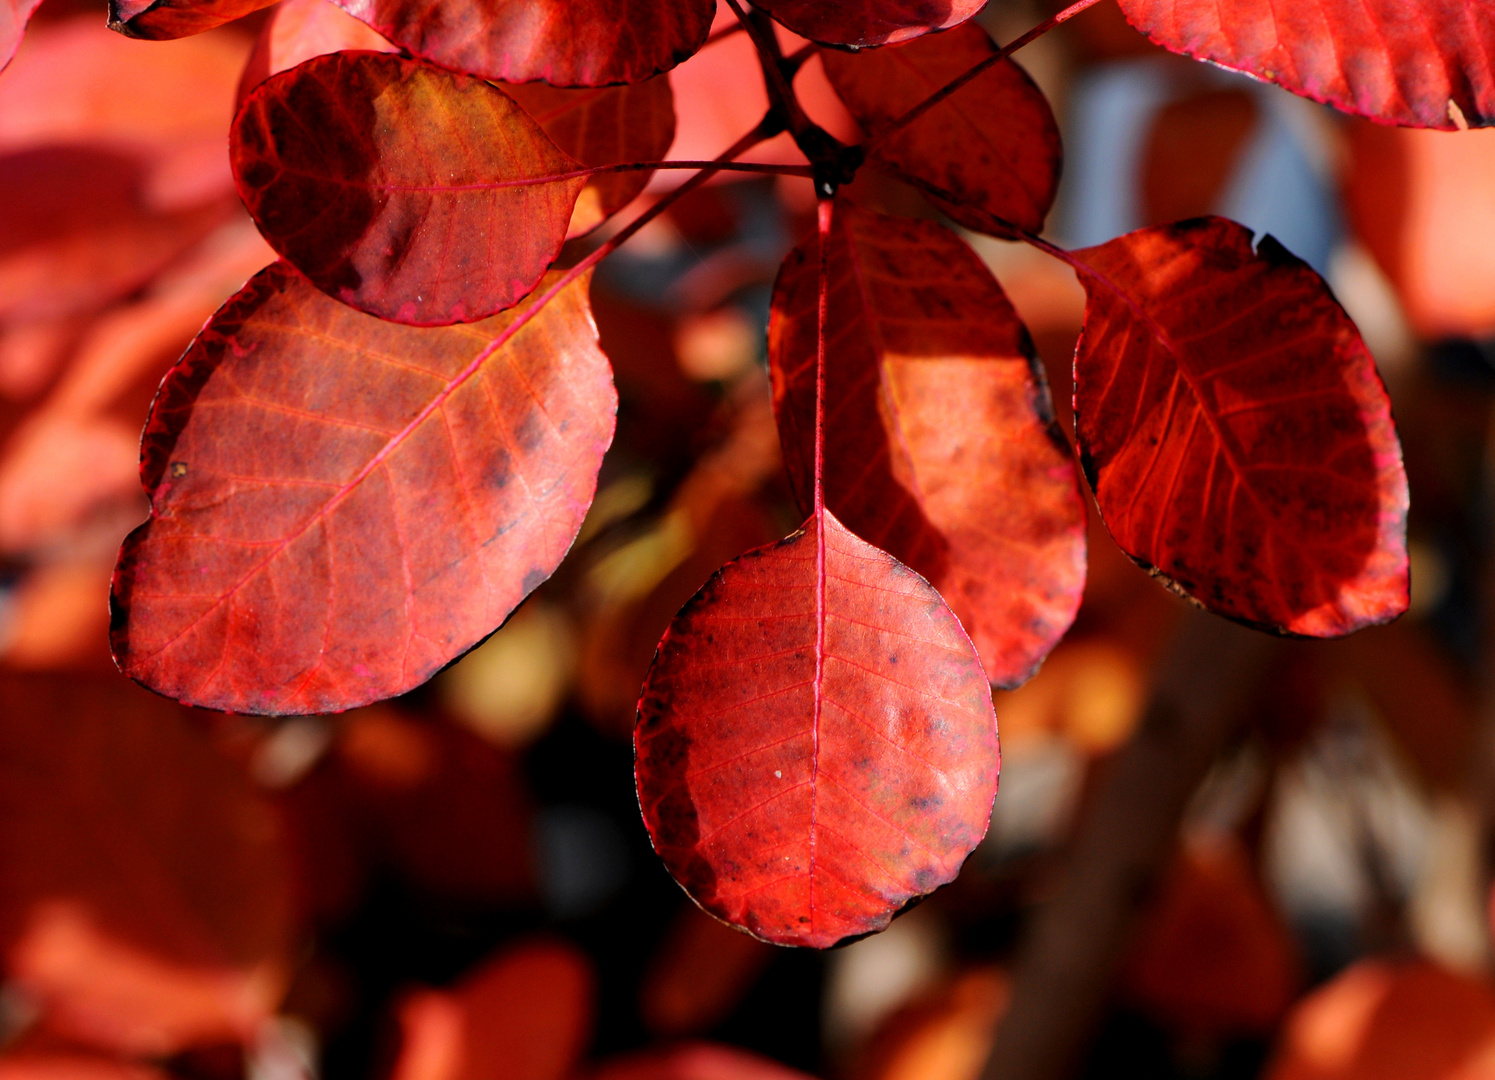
[993, 145]
[868, 22]
[1420, 202]
[138, 926]
[341, 506]
[700, 974]
[526, 1014]
[32, 1065]
[296, 31]
[941, 446]
[816, 745]
[563, 42]
[160, 20]
[13, 17]
[1211, 958]
[1383, 1021]
[1423, 63]
[944, 1035]
[1236, 432]
[1193, 150]
[401, 189]
[693, 1061]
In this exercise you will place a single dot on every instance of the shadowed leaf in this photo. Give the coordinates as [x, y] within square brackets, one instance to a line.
[993, 144]
[1236, 432]
[941, 447]
[341, 506]
[816, 745]
[1423, 63]
[159, 20]
[563, 42]
[868, 22]
[406, 191]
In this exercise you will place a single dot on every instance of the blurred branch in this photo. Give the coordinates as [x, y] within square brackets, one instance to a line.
[1064, 969]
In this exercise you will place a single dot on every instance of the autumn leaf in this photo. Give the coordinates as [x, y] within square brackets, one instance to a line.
[993, 146]
[868, 22]
[296, 31]
[816, 745]
[158, 20]
[1416, 62]
[692, 1061]
[941, 446]
[1236, 432]
[13, 17]
[342, 506]
[563, 42]
[406, 191]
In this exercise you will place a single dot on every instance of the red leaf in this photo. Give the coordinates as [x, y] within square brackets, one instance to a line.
[941, 445]
[1236, 432]
[693, 1061]
[563, 42]
[868, 22]
[146, 903]
[14, 15]
[406, 191]
[816, 745]
[296, 31]
[1423, 63]
[526, 1014]
[158, 20]
[341, 506]
[606, 126]
[993, 144]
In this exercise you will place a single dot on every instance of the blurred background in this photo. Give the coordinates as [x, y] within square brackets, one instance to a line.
[1290, 880]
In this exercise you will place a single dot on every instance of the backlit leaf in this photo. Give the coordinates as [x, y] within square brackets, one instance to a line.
[563, 42]
[816, 745]
[296, 31]
[1422, 63]
[13, 17]
[868, 22]
[1236, 432]
[341, 506]
[993, 144]
[158, 20]
[941, 447]
[404, 190]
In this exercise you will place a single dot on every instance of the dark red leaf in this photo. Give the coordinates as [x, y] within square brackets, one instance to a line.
[605, 126]
[868, 22]
[404, 190]
[146, 905]
[816, 745]
[941, 446]
[158, 20]
[14, 15]
[1236, 432]
[1423, 63]
[563, 42]
[341, 506]
[993, 145]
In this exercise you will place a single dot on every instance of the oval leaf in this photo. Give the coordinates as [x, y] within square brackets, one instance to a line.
[406, 191]
[941, 446]
[341, 506]
[993, 145]
[563, 42]
[1236, 432]
[159, 20]
[815, 745]
[1421, 63]
[604, 126]
[868, 22]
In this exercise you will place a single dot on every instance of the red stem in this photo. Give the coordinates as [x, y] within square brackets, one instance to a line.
[960, 80]
[627, 166]
[823, 208]
[823, 223]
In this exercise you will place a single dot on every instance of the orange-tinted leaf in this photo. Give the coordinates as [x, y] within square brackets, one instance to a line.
[816, 745]
[404, 190]
[341, 506]
[945, 1034]
[526, 1014]
[296, 31]
[1236, 432]
[563, 42]
[941, 446]
[694, 1061]
[158, 20]
[868, 22]
[606, 126]
[139, 925]
[72, 1066]
[13, 17]
[993, 144]
[1424, 63]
